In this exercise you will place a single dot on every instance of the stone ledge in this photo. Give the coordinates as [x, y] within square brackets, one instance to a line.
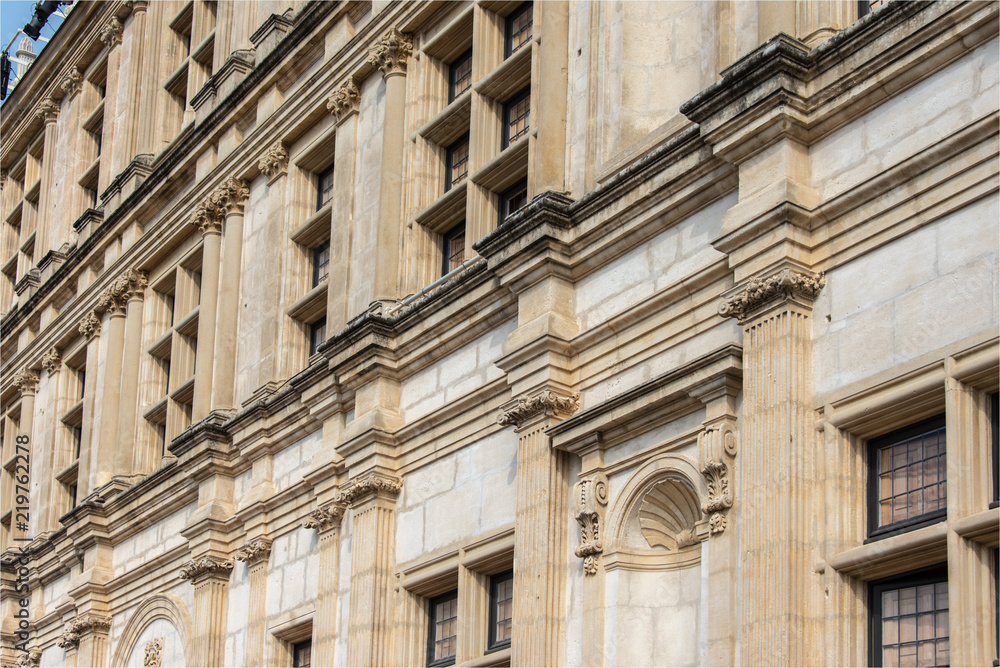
[897, 554]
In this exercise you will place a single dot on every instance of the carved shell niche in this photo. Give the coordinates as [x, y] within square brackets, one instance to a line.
[667, 515]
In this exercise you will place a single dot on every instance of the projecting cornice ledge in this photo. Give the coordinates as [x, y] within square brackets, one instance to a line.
[548, 214]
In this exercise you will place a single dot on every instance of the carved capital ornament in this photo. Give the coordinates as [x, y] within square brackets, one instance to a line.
[52, 360]
[48, 110]
[90, 326]
[547, 403]
[196, 569]
[762, 291]
[324, 518]
[344, 101]
[369, 486]
[111, 34]
[391, 52]
[26, 381]
[71, 82]
[255, 551]
[274, 163]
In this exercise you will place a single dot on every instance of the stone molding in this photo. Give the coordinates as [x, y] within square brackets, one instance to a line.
[196, 569]
[153, 654]
[344, 101]
[324, 518]
[391, 52]
[52, 360]
[254, 551]
[370, 486]
[719, 497]
[48, 110]
[90, 326]
[591, 497]
[111, 34]
[26, 381]
[274, 163]
[762, 291]
[71, 83]
[548, 403]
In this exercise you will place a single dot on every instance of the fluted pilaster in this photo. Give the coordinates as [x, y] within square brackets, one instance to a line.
[326, 522]
[256, 554]
[210, 578]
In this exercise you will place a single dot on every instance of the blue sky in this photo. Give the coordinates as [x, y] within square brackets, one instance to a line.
[14, 14]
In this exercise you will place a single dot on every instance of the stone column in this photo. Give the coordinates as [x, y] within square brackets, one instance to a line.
[274, 166]
[229, 198]
[207, 218]
[26, 382]
[113, 303]
[371, 622]
[210, 577]
[344, 105]
[90, 328]
[48, 113]
[326, 521]
[540, 535]
[256, 553]
[48, 519]
[132, 290]
[111, 35]
[390, 55]
[131, 118]
[780, 608]
[89, 633]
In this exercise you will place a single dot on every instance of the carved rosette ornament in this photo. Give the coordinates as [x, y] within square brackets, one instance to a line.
[48, 110]
[761, 291]
[548, 403]
[324, 518]
[197, 568]
[153, 656]
[52, 360]
[719, 498]
[591, 497]
[390, 53]
[372, 485]
[345, 100]
[275, 162]
[90, 326]
[26, 381]
[111, 34]
[255, 551]
[71, 82]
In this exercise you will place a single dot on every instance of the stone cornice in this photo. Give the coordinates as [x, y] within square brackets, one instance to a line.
[197, 569]
[547, 403]
[52, 360]
[546, 212]
[324, 518]
[390, 52]
[254, 551]
[26, 381]
[762, 291]
[369, 486]
[274, 162]
[344, 101]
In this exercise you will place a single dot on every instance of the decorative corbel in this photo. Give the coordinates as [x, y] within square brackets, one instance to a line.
[591, 497]
[90, 326]
[111, 34]
[719, 498]
[52, 360]
[71, 82]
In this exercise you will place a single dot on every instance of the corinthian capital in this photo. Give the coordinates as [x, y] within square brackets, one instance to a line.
[52, 360]
[71, 82]
[390, 52]
[207, 218]
[230, 196]
[26, 381]
[547, 403]
[206, 566]
[275, 162]
[366, 487]
[90, 326]
[345, 100]
[324, 518]
[255, 551]
[48, 110]
[761, 291]
[111, 34]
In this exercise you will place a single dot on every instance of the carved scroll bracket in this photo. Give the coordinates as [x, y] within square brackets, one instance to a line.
[720, 500]
[591, 498]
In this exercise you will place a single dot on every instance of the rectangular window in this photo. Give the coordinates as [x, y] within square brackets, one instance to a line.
[501, 610]
[442, 632]
[513, 199]
[909, 619]
[457, 163]
[907, 478]
[324, 188]
[72, 496]
[460, 75]
[302, 654]
[517, 31]
[317, 335]
[454, 248]
[516, 114]
[995, 420]
[321, 263]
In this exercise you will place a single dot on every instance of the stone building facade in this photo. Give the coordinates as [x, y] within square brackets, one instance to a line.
[369, 333]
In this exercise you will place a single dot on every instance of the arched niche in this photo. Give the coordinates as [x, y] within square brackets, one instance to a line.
[161, 622]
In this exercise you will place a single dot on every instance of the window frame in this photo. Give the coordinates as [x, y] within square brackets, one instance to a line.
[447, 239]
[930, 575]
[507, 195]
[462, 59]
[995, 435]
[876, 532]
[508, 107]
[493, 645]
[314, 328]
[508, 29]
[324, 183]
[432, 623]
[295, 653]
[449, 162]
[317, 278]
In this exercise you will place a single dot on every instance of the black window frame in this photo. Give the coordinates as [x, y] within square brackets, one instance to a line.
[507, 195]
[432, 622]
[316, 338]
[995, 429]
[495, 580]
[923, 576]
[446, 250]
[296, 648]
[324, 184]
[453, 76]
[317, 265]
[508, 29]
[449, 162]
[876, 532]
[508, 107]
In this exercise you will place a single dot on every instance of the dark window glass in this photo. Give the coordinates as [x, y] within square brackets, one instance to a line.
[77, 439]
[317, 335]
[513, 199]
[907, 481]
[72, 496]
[457, 163]
[302, 654]
[321, 263]
[460, 75]
[518, 29]
[501, 610]
[442, 634]
[324, 188]
[516, 114]
[909, 619]
[454, 248]
[995, 419]
[98, 141]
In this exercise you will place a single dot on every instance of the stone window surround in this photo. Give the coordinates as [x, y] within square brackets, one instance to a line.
[931, 575]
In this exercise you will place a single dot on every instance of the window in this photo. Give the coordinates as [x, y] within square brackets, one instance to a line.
[317, 335]
[513, 199]
[907, 478]
[302, 654]
[321, 263]
[517, 32]
[454, 248]
[995, 420]
[501, 610]
[460, 75]
[457, 163]
[442, 634]
[324, 188]
[909, 619]
[515, 117]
